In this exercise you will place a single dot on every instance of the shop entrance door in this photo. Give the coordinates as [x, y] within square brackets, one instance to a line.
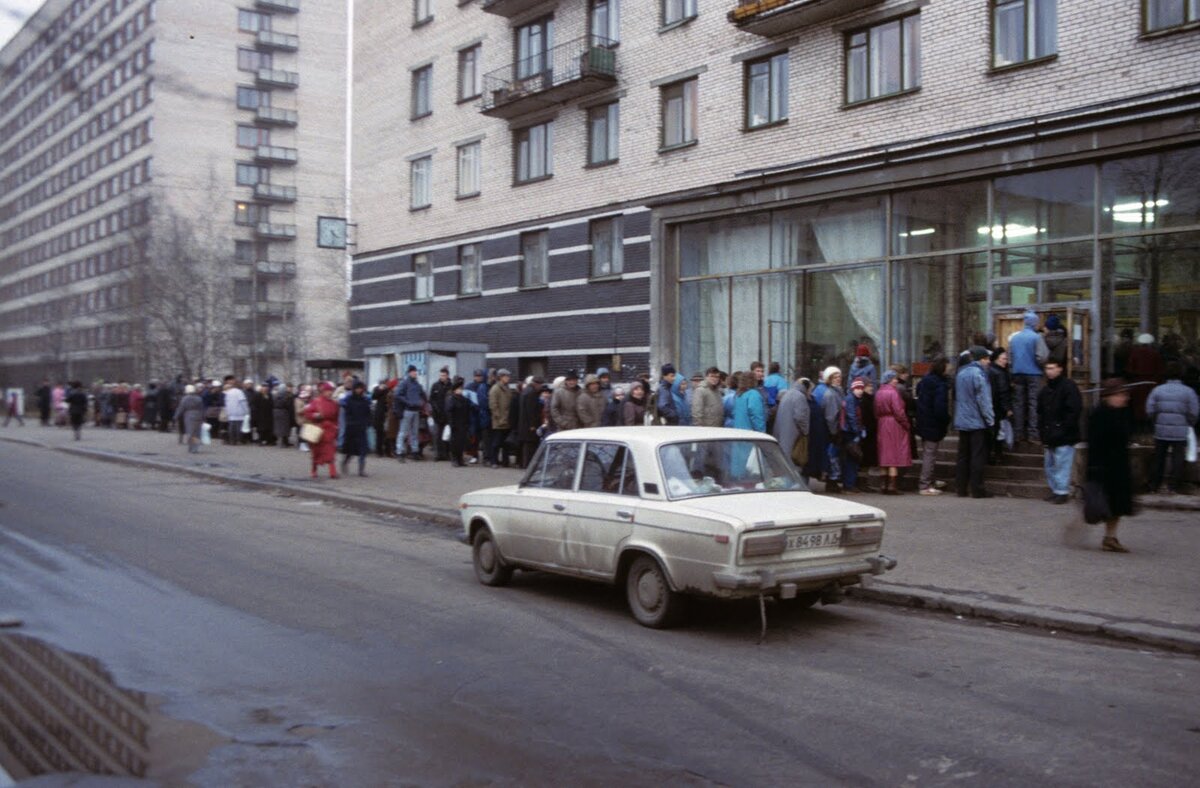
[1076, 320]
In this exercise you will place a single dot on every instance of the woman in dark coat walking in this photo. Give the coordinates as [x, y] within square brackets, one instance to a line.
[458, 416]
[77, 403]
[356, 418]
[1110, 427]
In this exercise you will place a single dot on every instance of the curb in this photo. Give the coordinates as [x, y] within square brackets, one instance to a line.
[980, 606]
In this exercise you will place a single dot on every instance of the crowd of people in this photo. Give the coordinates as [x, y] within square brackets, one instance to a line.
[835, 428]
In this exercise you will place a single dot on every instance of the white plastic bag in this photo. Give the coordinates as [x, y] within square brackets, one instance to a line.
[1190, 453]
[1006, 433]
[446, 433]
[246, 424]
[206, 433]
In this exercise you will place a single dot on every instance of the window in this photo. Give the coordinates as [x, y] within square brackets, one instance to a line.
[884, 60]
[556, 468]
[608, 468]
[470, 80]
[253, 60]
[252, 136]
[1165, 14]
[534, 42]
[470, 269]
[422, 278]
[252, 21]
[247, 213]
[422, 11]
[1023, 30]
[606, 22]
[534, 152]
[469, 169]
[250, 174]
[247, 252]
[250, 98]
[679, 113]
[767, 91]
[422, 79]
[535, 258]
[421, 171]
[607, 247]
[603, 133]
[675, 11]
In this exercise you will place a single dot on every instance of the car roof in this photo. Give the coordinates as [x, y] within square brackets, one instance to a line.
[655, 436]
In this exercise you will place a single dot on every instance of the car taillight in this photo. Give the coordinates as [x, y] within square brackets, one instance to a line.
[757, 546]
[861, 534]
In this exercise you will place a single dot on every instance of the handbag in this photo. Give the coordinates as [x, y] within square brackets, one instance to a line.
[1095, 503]
[800, 451]
[1006, 433]
[311, 433]
[854, 451]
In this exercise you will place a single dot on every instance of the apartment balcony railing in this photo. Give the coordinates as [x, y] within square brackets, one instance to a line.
[273, 192]
[275, 268]
[277, 116]
[277, 309]
[576, 68]
[275, 154]
[280, 232]
[284, 42]
[278, 6]
[277, 78]
[509, 8]
[778, 17]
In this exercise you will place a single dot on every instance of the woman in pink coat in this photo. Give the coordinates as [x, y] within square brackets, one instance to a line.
[895, 451]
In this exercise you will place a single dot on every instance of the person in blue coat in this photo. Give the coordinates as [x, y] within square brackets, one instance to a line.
[729, 397]
[679, 396]
[749, 412]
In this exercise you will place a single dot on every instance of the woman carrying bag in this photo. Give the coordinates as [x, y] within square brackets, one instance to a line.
[1108, 490]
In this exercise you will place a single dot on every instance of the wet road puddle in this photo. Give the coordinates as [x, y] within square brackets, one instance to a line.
[62, 712]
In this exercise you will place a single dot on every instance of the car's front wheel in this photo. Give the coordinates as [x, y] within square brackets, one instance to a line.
[651, 599]
[489, 567]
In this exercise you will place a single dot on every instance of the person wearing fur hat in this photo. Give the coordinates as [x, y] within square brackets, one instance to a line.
[825, 432]
[862, 367]
[1056, 340]
[1027, 354]
[563, 403]
[590, 404]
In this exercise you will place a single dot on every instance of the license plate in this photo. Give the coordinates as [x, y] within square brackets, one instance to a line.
[807, 540]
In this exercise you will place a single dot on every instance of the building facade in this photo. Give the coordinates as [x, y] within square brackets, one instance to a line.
[162, 166]
[783, 179]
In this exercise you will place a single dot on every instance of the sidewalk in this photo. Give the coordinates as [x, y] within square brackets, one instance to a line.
[1010, 559]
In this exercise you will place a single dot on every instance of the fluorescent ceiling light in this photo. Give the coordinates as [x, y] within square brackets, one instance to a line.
[1011, 230]
[1126, 207]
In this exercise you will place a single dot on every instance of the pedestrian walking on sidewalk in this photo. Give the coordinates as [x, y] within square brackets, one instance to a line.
[13, 404]
[323, 412]
[190, 414]
[77, 404]
[1174, 409]
[1027, 351]
[1110, 428]
[895, 448]
[356, 418]
[1060, 407]
[973, 418]
[933, 420]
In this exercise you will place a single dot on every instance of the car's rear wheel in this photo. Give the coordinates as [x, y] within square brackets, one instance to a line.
[650, 597]
[489, 566]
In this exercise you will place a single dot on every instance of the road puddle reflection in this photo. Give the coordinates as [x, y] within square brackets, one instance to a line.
[62, 712]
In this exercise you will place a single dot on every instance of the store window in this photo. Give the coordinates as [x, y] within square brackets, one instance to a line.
[939, 219]
[1023, 30]
[883, 60]
[1152, 283]
[1021, 261]
[1150, 192]
[1043, 205]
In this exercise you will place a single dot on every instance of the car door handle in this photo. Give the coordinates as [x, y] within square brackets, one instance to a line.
[624, 515]
[561, 507]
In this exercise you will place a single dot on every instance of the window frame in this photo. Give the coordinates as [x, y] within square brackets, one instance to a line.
[612, 133]
[418, 7]
[260, 213]
[526, 238]
[628, 463]
[611, 36]
[256, 56]
[423, 280]
[748, 92]
[263, 96]
[477, 264]
[545, 24]
[688, 10]
[1190, 8]
[474, 55]
[477, 166]
[261, 174]
[524, 137]
[1030, 8]
[901, 20]
[694, 115]
[259, 134]
[262, 21]
[421, 90]
[419, 163]
[616, 261]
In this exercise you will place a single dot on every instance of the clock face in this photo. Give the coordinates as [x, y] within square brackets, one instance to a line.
[331, 232]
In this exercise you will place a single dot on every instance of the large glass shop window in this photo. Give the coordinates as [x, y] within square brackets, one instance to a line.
[952, 216]
[1044, 205]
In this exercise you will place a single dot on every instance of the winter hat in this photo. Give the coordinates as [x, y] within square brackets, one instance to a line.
[888, 377]
[502, 372]
[590, 379]
[1053, 323]
[668, 369]
[1031, 319]
[326, 386]
[828, 374]
[978, 352]
[1145, 339]
[358, 386]
[411, 368]
[557, 382]
[481, 373]
[859, 384]
[602, 372]
[189, 389]
[863, 350]
[571, 375]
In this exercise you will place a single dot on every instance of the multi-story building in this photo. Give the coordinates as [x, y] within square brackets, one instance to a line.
[162, 168]
[710, 182]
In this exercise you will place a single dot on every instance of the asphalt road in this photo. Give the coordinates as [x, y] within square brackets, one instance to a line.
[327, 647]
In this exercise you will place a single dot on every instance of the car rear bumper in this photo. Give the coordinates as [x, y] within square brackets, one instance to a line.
[770, 580]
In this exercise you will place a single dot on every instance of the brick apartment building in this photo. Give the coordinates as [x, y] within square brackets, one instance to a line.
[146, 145]
[711, 182]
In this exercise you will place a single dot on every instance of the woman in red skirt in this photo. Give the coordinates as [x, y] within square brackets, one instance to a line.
[323, 412]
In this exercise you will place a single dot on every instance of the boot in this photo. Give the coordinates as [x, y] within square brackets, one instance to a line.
[333, 474]
[832, 486]
[889, 486]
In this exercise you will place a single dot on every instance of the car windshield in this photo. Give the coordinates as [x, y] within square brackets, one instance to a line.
[720, 467]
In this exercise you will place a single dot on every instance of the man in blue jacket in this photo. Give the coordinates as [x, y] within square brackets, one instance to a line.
[1174, 409]
[666, 399]
[1027, 354]
[973, 418]
[406, 405]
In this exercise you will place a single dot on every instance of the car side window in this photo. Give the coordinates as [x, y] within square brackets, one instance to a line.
[557, 472]
[629, 482]
[602, 464]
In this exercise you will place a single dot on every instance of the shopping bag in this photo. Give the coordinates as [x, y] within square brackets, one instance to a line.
[446, 433]
[1190, 453]
[1006, 433]
[246, 424]
[1095, 503]
[311, 433]
[206, 433]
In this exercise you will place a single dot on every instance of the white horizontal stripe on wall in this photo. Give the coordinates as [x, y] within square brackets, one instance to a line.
[582, 351]
[475, 321]
[637, 239]
[374, 279]
[496, 291]
[506, 234]
[571, 249]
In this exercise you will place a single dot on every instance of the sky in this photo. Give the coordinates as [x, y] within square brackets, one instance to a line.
[13, 14]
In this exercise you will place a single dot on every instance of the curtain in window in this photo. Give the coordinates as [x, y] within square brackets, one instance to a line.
[850, 236]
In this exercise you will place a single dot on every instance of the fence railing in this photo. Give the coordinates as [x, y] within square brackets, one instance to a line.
[590, 56]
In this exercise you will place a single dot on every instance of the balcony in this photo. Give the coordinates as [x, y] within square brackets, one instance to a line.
[568, 71]
[275, 154]
[278, 6]
[778, 17]
[509, 8]
[273, 192]
[277, 78]
[277, 116]
[276, 309]
[283, 42]
[279, 232]
[275, 268]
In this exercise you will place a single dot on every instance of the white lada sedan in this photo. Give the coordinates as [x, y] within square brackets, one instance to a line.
[669, 512]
